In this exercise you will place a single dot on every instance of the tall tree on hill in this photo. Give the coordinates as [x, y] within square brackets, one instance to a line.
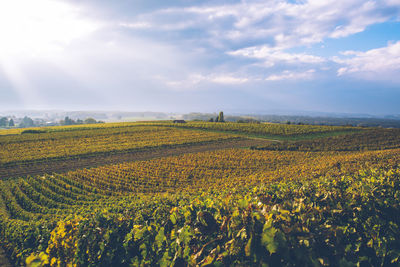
[11, 123]
[221, 117]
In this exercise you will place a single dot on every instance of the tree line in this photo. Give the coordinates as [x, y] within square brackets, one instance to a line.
[219, 118]
[5, 122]
[26, 121]
[68, 121]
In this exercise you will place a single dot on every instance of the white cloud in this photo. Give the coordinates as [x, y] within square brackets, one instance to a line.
[291, 75]
[194, 80]
[375, 64]
[276, 27]
[137, 25]
[271, 56]
[226, 79]
[360, 17]
[279, 23]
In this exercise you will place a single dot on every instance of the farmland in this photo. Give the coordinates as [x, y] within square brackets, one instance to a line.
[200, 194]
[35, 146]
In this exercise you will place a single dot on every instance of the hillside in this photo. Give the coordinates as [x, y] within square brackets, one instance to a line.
[200, 194]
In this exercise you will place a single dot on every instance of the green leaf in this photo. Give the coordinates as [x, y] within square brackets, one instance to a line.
[173, 218]
[267, 239]
[160, 237]
[271, 238]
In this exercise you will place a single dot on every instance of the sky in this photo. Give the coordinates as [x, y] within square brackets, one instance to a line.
[249, 56]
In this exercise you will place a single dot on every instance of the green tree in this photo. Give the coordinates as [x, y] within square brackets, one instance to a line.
[67, 121]
[3, 121]
[26, 122]
[90, 121]
[221, 117]
[11, 123]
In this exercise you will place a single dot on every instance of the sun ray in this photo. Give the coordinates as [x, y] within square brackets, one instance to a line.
[36, 31]
[38, 28]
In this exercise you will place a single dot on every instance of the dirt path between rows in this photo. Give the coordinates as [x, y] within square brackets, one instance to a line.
[65, 165]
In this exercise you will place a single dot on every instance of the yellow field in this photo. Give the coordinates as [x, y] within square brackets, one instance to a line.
[70, 143]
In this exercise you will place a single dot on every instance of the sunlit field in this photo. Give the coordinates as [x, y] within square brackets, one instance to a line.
[299, 198]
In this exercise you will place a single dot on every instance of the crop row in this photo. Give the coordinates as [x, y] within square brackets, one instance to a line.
[225, 168]
[187, 173]
[351, 220]
[201, 202]
[246, 128]
[265, 129]
[66, 144]
[72, 128]
[221, 170]
[376, 139]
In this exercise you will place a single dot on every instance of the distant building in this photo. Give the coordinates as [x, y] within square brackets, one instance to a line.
[179, 121]
[51, 123]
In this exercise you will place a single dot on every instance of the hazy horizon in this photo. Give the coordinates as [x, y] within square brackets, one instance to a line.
[184, 56]
[42, 113]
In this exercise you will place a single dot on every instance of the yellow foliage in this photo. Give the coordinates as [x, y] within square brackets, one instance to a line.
[39, 260]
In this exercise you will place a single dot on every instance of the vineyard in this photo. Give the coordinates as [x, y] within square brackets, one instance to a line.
[68, 143]
[279, 131]
[331, 201]
[49, 165]
[377, 139]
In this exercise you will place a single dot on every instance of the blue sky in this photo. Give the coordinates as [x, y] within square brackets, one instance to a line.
[180, 56]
